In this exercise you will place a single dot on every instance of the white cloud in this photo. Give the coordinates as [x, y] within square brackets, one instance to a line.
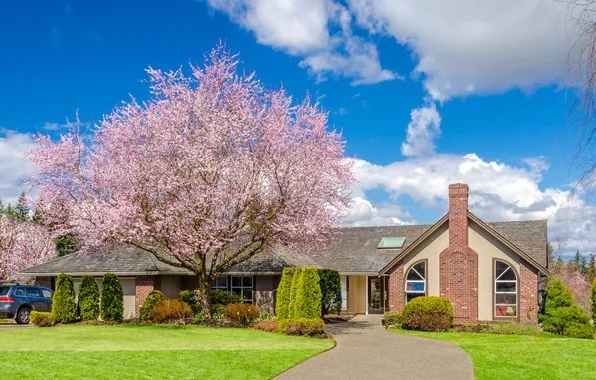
[422, 130]
[319, 31]
[363, 213]
[14, 168]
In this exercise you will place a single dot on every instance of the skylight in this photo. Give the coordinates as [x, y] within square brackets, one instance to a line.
[392, 242]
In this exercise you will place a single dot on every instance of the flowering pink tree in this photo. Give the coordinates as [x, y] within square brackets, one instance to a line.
[22, 245]
[209, 172]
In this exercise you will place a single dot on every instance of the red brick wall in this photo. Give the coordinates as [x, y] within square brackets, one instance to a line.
[528, 293]
[396, 287]
[143, 286]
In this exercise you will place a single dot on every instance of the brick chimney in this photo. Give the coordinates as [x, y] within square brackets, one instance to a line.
[458, 217]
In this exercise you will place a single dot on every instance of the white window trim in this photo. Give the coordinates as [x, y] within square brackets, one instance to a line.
[344, 291]
[496, 281]
[415, 281]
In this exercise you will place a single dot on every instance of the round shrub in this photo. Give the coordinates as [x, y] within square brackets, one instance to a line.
[42, 319]
[192, 299]
[303, 326]
[112, 298]
[330, 284]
[64, 307]
[223, 297]
[89, 299]
[242, 313]
[293, 292]
[146, 310]
[393, 319]
[561, 316]
[169, 311]
[282, 303]
[217, 309]
[308, 295]
[428, 313]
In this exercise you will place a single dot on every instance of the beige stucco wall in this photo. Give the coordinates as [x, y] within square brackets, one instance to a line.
[430, 250]
[356, 294]
[488, 248]
[171, 286]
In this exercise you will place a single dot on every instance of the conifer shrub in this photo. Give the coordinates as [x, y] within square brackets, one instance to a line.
[64, 307]
[293, 292]
[428, 313]
[146, 310]
[330, 284]
[561, 316]
[112, 298]
[282, 303]
[89, 299]
[308, 295]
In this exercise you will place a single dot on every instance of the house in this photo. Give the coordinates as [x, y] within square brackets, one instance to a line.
[489, 271]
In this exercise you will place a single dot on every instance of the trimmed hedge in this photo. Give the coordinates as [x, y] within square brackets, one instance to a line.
[146, 310]
[303, 326]
[192, 299]
[428, 313]
[561, 316]
[330, 284]
[42, 319]
[393, 319]
[89, 299]
[112, 298]
[308, 295]
[293, 292]
[64, 306]
[168, 311]
[282, 303]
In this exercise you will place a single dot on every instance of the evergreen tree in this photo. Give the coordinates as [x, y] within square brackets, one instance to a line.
[65, 245]
[308, 295]
[21, 211]
[2, 210]
[282, 303]
[551, 256]
[64, 307]
[89, 299]
[112, 298]
[293, 292]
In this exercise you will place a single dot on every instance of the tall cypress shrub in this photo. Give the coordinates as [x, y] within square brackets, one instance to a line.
[330, 291]
[308, 295]
[293, 291]
[112, 298]
[64, 307]
[284, 289]
[89, 299]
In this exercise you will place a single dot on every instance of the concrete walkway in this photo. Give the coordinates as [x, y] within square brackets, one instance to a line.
[366, 351]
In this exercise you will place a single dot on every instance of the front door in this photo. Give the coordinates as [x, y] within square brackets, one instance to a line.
[375, 295]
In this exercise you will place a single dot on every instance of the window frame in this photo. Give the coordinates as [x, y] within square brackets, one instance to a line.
[495, 280]
[242, 287]
[343, 280]
[425, 281]
[215, 286]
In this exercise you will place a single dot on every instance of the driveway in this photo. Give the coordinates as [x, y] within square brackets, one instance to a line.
[366, 351]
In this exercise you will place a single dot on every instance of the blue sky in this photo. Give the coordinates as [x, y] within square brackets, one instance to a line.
[486, 81]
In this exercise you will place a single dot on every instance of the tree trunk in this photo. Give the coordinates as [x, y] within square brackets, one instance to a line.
[204, 293]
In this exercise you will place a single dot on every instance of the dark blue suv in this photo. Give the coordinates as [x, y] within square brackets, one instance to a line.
[17, 301]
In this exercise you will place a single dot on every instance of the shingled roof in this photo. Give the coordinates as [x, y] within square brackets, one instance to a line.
[354, 250]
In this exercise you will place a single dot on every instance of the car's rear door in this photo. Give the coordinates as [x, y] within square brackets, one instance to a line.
[35, 299]
[47, 299]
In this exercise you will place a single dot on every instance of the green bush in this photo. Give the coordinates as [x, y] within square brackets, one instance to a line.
[89, 299]
[428, 313]
[64, 307]
[152, 299]
[42, 319]
[112, 298]
[293, 292]
[169, 311]
[217, 309]
[308, 295]
[282, 302]
[393, 319]
[330, 284]
[561, 316]
[302, 326]
[594, 300]
[199, 318]
[192, 299]
[223, 297]
[242, 313]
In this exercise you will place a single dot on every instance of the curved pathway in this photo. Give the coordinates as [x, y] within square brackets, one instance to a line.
[366, 351]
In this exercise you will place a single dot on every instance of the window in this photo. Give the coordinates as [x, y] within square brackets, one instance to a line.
[46, 293]
[220, 283]
[392, 242]
[4, 290]
[32, 292]
[19, 292]
[242, 285]
[344, 292]
[505, 290]
[416, 281]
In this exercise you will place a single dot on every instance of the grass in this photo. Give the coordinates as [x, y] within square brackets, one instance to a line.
[143, 352]
[540, 356]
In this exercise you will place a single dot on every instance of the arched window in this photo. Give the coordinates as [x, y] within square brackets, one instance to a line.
[416, 281]
[505, 290]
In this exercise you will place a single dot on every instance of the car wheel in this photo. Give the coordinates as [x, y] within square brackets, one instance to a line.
[23, 316]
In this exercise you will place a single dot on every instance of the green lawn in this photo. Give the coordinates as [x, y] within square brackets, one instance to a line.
[541, 356]
[156, 352]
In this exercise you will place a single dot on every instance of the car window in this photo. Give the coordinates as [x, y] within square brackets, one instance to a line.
[4, 290]
[46, 293]
[33, 292]
[19, 292]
